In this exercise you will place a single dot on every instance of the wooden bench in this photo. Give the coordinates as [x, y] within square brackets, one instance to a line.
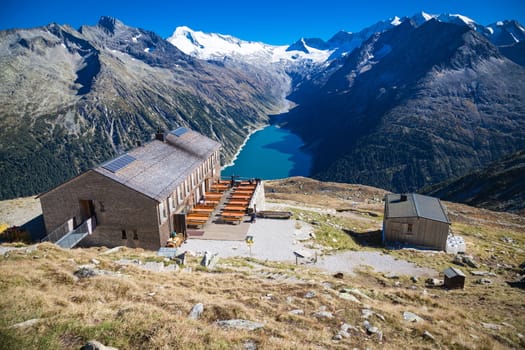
[232, 214]
[195, 222]
[238, 202]
[235, 208]
[201, 210]
[240, 196]
[242, 192]
[205, 206]
[197, 216]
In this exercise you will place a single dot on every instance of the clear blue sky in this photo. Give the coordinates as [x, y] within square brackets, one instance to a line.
[270, 21]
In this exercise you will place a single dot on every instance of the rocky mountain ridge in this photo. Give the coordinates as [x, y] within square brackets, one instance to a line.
[72, 99]
[412, 106]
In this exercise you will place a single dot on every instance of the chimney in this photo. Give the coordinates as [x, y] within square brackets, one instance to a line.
[403, 198]
[160, 135]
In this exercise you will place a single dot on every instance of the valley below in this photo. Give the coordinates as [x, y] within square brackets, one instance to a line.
[133, 299]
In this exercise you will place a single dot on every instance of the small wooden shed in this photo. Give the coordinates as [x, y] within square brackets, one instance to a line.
[454, 278]
[416, 220]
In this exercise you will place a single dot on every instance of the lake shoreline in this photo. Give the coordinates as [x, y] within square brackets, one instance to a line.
[236, 155]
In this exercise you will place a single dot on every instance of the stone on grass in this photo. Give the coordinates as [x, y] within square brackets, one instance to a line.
[239, 324]
[296, 312]
[411, 317]
[484, 281]
[27, 323]
[310, 294]
[196, 311]
[492, 326]
[85, 272]
[96, 345]
[469, 260]
[323, 314]
[349, 297]
[428, 335]
[370, 330]
[250, 344]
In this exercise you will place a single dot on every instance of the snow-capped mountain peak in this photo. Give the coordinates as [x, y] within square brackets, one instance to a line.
[212, 46]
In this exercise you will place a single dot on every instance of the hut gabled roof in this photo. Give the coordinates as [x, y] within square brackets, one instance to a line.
[414, 205]
[158, 167]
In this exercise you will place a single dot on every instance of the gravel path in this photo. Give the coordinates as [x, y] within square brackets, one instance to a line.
[276, 240]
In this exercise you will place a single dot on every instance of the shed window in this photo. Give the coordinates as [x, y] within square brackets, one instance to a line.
[124, 235]
[409, 228]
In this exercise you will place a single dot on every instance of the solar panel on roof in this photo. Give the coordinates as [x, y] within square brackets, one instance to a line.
[119, 163]
[179, 131]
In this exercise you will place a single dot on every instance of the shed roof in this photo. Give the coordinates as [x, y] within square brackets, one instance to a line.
[415, 205]
[453, 272]
[157, 168]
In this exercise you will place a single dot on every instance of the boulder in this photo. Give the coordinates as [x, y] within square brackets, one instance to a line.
[85, 272]
[196, 311]
[469, 261]
[411, 317]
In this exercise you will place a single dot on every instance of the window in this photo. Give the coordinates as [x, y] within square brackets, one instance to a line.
[180, 197]
[135, 235]
[171, 204]
[409, 228]
[101, 204]
[162, 212]
[124, 236]
[187, 183]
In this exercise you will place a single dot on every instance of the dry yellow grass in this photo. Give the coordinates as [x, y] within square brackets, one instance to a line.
[131, 308]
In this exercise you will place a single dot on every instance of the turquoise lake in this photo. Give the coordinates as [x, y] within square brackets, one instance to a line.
[271, 153]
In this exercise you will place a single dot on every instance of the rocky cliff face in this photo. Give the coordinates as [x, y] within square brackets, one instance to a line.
[412, 106]
[72, 99]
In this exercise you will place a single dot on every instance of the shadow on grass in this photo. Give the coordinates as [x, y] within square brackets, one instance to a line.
[367, 239]
[36, 228]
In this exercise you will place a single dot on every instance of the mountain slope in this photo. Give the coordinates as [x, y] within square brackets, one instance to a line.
[72, 99]
[499, 186]
[413, 106]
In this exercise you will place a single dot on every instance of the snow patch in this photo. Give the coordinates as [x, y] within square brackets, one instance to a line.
[499, 23]
[396, 21]
[135, 38]
[465, 19]
[426, 16]
[491, 31]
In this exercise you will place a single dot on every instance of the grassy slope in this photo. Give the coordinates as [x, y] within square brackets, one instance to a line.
[137, 309]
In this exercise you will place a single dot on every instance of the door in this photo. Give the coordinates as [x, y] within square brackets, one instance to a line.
[179, 223]
[87, 209]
